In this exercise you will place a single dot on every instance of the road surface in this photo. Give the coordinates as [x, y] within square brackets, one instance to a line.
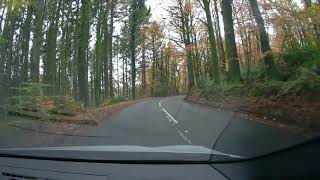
[163, 122]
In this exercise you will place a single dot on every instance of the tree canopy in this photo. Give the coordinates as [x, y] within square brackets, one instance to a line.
[94, 50]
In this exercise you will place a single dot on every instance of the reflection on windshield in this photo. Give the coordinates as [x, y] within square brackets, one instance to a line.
[239, 77]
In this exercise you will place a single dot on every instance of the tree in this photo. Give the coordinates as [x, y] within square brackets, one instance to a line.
[271, 69]
[111, 29]
[183, 15]
[50, 62]
[25, 44]
[82, 52]
[212, 40]
[98, 52]
[38, 7]
[7, 49]
[153, 36]
[65, 50]
[143, 62]
[231, 47]
[138, 14]
[219, 37]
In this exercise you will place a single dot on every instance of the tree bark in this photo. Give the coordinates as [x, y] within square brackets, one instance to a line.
[50, 63]
[187, 41]
[220, 40]
[111, 29]
[231, 47]
[143, 64]
[37, 40]
[25, 45]
[271, 69]
[82, 52]
[212, 40]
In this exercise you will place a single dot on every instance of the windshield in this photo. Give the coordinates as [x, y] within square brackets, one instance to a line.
[231, 77]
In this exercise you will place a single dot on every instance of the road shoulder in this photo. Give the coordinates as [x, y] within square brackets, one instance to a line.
[261, 110]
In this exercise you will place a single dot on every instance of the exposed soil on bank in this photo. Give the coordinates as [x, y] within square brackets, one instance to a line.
[294, 114]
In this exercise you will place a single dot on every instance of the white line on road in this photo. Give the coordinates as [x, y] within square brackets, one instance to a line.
[169, 116]
[169, 119]
[160, 103]
[174, 123]
[184, 137]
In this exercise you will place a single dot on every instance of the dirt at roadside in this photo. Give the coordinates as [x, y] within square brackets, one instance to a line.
[66, 125]
[101, 113]
[292, 114]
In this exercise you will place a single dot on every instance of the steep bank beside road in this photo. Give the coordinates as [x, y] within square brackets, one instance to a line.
[274, 104]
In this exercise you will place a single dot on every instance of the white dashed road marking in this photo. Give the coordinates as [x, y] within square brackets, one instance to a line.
[184, 137]
[175, 123]
[169, 116]
[160, 103]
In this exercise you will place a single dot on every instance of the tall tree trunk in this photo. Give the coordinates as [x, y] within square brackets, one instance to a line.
[25, 45]
[75, 48]
[82, 52]
[98, 58]
[65, 49]
[50, 63]
[271, 69]
[220, 40]
[124, 77]
[111, 29]
[37, 41]
[143, 64]
[186, 38]
[7, 51]
[133, 64]
[106, 61]
[231, 47]
[212, 40]
[2, 84]
[6, 54]
[154, 58]
[133, 34]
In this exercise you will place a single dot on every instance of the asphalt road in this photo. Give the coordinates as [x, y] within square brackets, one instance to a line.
[163, 122]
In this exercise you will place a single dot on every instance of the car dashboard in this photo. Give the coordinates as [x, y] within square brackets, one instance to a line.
[299, 162]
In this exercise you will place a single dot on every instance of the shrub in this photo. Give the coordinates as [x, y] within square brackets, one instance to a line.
[65, 106]
[300, 57]
[308, 84]
[29, 97]
[265, 89]
[114, 100]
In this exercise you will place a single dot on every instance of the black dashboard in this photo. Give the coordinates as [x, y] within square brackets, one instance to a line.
[299, 162]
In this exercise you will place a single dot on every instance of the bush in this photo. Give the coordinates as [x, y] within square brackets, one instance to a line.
[293, 60]
[255, 73]
[298, 56]
[65, 106]
[265, 89]
[308, 84]
[114, 100]
[29, 97]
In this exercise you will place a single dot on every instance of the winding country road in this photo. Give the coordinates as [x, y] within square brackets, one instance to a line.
[163, 122]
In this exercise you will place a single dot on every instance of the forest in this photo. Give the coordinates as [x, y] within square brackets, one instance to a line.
[94, 52]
